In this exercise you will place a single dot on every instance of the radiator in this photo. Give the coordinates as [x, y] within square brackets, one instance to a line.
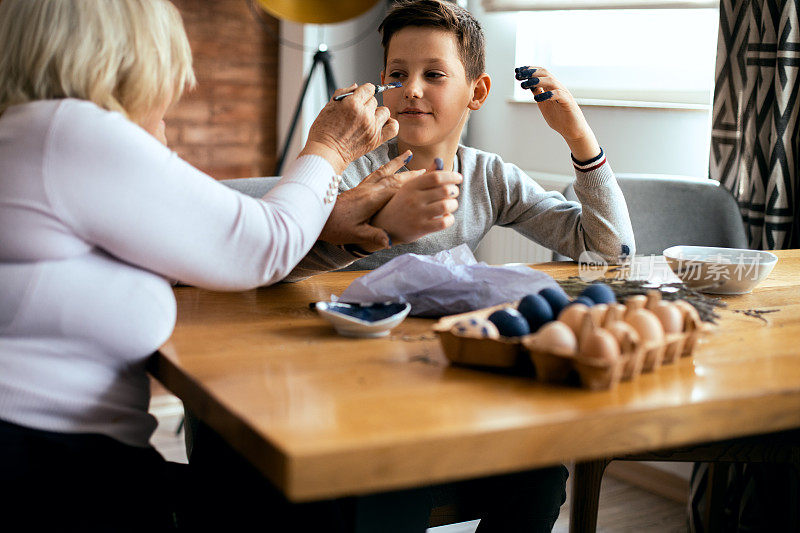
[503, 245]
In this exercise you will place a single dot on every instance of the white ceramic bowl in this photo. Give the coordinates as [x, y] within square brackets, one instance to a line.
[355, 320]
[720, 270]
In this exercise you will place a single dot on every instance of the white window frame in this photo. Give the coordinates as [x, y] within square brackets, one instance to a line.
[647, 98]
[544, 5]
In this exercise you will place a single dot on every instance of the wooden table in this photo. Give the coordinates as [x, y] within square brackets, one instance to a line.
[326, 416]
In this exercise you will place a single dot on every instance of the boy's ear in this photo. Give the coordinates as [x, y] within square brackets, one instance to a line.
[480, 91]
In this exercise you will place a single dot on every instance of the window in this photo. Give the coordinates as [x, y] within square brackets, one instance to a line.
[658, 57]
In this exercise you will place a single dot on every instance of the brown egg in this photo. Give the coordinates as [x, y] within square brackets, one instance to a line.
[600, 344]
[616, 312]
[556, 337]
[626, 336]
[572, 316]
[634, 303]
[647, 325]
[598, 312]
[689, 311]
[653, 299]
[670, 316]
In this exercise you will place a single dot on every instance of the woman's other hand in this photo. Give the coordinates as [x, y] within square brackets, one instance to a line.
[423, 205]
[347, 129]
[560, 111]
[349, 222]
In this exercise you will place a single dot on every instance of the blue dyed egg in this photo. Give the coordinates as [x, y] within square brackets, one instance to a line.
[583, 300]
[510, 322]
[557, 299]
[536, 310]
[599, 293]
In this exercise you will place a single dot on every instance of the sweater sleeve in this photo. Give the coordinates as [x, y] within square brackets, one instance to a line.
[326, 257]
[599, 222]
[122, 191]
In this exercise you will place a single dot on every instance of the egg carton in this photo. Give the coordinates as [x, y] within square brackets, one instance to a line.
[560, 364]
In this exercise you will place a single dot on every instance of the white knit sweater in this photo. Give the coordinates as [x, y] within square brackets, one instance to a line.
[95, 217]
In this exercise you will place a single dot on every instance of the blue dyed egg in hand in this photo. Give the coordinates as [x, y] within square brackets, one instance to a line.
[599, 293]
[510, 322]
[557, 299]
[536, 310]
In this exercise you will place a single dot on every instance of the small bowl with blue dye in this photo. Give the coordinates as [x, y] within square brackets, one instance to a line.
[363, 320]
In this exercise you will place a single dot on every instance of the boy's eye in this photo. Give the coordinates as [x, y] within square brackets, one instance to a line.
[434, 75]
[395, 74]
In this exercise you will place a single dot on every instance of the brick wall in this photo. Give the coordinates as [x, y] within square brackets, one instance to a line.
[227, 125]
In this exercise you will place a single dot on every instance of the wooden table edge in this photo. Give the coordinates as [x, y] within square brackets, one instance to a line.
[330, 474]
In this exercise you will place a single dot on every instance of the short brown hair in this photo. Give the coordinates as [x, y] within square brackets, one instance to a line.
[442, 15]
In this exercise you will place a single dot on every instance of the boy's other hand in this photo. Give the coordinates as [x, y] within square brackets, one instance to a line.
[349, 222]
[423, 205]
[560, 111]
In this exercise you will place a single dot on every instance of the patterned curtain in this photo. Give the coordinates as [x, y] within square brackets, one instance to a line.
[754, 141]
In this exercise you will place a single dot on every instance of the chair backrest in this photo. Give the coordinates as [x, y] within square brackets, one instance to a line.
[255, 187]
[670, 210]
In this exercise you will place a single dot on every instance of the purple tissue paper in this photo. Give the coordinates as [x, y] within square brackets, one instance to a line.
[447, 283]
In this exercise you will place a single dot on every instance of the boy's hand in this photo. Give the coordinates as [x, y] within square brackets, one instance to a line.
[560, 111]
[349, 222]
[423, 205]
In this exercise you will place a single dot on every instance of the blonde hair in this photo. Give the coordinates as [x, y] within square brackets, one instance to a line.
[124, 55]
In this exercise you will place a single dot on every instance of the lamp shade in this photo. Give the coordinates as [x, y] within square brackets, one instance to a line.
[316, 11]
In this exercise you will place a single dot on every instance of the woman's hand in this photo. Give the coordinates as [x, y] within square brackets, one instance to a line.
[349, 222]
[560, 111]
[423, 205]
[347, 129]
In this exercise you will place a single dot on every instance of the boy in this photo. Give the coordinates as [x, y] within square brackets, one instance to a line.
[436, 50]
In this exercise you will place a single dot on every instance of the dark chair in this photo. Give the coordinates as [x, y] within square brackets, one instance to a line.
[669, 210]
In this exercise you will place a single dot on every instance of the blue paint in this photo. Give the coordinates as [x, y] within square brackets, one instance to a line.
[527, 84]
[544, 96]
[365, 312]
[439, 163]
[409, 158]
[626, 251]
[524, 74]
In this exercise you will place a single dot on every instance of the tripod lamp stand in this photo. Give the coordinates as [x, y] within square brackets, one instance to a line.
[313, 12]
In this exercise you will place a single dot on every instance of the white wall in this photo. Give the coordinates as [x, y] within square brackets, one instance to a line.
[659, 141]
[358, 63]
[636, 140]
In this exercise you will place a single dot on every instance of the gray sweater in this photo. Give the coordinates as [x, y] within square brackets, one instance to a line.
[497, 193]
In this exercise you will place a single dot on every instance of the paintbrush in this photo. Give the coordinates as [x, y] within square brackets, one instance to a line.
[378, 89]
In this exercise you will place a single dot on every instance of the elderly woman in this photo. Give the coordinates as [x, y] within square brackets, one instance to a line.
[96, 215]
